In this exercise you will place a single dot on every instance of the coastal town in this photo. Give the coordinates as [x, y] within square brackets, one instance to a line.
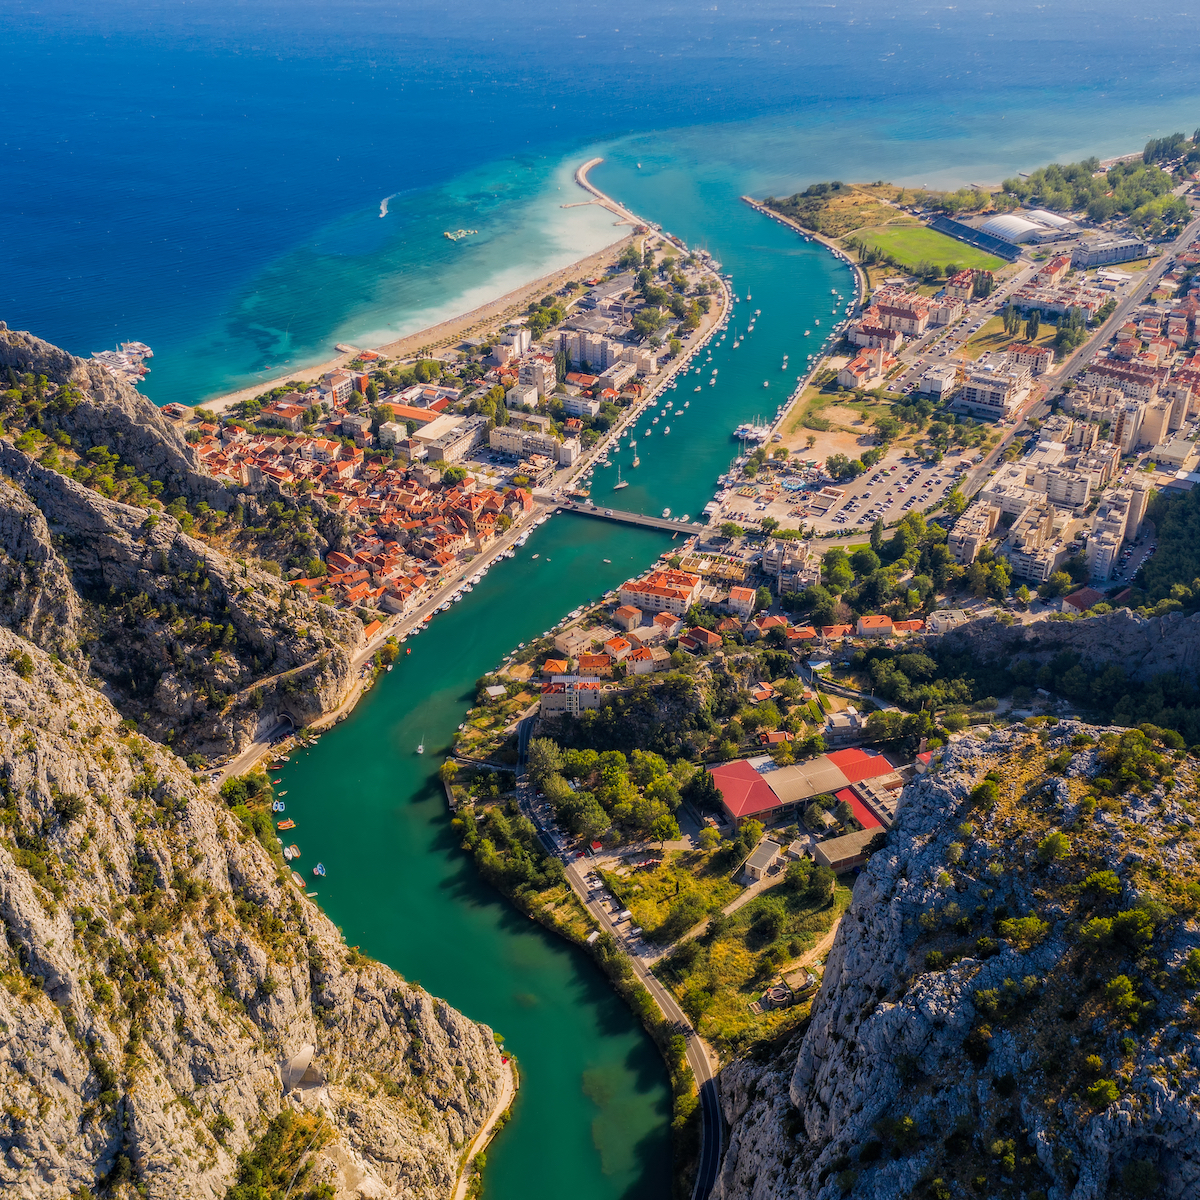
[443, 462]
[691, 772]
[432, 462]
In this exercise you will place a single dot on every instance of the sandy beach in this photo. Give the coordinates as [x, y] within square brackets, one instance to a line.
[478, 320]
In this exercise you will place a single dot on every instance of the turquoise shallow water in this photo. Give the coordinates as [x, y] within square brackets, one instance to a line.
[208, 178]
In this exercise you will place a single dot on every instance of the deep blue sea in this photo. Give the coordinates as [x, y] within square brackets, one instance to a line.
[209, 177]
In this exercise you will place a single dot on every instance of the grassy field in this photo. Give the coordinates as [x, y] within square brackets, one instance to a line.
[668, 900]
[993, 338]
[911, 244]
[719, 976]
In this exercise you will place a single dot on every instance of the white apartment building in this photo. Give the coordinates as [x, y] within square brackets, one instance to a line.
[645, 361]
[511, 439]
[1035, 548]
[1068, 489]
[339, 383]
[796, 565]
[580, 406]
[992, 391]
[594, 350]
[971, 532]
[618, 375]
[539, 372]
[939, 380]
[519, 339]
[521, 394]
[1118, 518]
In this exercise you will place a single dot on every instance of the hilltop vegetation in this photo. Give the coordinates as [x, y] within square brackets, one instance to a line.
[1139, 191]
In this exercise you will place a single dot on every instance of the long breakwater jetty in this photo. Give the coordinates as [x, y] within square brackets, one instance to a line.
[666, 524]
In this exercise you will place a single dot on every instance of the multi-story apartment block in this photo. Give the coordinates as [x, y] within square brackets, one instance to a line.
[1156, 420]
[662, 591]
[796, 565]
[961, 286]
[1036, 359]
[1068, 489]
[1126, 425]
[992, 391]
[1108, 250]
[1135, 380]
[972, 530]
[540, 373]
[1035, 548]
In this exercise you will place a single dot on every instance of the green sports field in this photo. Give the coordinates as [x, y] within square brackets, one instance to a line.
[911, 244]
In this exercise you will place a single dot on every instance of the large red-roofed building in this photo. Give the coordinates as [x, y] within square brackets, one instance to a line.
[769, 792]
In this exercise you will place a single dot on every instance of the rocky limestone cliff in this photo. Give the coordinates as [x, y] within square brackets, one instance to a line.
[201, 650]
[1143, 647]
[159, 968]
[113, 413]
[952, 1054]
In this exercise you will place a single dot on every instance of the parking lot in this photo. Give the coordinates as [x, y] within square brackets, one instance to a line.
[892, 492]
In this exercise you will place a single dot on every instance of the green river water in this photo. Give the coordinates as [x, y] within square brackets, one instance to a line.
[592, 1118]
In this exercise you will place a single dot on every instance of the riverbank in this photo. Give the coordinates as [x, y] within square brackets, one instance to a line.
[467, 1172]
[551, 897]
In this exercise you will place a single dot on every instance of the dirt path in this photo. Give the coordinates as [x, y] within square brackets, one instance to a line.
[503, 1103]
[810, 956]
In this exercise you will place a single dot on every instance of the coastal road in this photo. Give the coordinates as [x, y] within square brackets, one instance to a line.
[712, 1131]
[1088, 350]
[712, 1126]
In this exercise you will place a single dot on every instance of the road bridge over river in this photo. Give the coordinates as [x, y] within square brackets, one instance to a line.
[666, 524]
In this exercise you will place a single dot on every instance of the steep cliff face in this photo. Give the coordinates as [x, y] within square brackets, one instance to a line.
[1143, 647]
[159, 968]
[201, 650]
[1003, 1008]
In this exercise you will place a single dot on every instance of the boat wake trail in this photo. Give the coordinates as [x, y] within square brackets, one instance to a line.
[384, 203]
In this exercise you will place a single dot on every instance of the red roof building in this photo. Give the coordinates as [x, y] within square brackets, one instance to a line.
[744, 792]
[862, 814]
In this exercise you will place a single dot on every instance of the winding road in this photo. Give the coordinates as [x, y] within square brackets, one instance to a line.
[699, 1057]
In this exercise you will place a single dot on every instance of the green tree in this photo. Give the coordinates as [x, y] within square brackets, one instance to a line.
[819, 889]
[543, 760]
[877, 536]
[1032, 324]
[762, 598]
[664, 829]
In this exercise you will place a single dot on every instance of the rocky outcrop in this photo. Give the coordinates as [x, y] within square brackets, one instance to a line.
[115, 414]
[197, 648]
[36, 596]
[945, 1046]
[1144, 647]
[160, 969]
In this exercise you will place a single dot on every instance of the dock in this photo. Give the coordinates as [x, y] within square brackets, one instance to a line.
[666, 524]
